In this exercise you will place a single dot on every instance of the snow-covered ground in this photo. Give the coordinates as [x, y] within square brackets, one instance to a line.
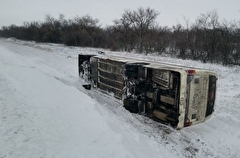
[45, 112]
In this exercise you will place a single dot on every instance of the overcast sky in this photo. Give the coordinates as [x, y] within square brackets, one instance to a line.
[171, 11]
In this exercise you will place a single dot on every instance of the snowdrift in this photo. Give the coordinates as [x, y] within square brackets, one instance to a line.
[45, 112]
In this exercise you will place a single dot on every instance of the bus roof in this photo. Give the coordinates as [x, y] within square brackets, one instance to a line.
[150, 63]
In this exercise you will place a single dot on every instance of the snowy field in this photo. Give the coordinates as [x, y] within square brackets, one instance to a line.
[46, 113]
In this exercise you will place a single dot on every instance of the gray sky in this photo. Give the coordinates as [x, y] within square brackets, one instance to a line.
[171, 11]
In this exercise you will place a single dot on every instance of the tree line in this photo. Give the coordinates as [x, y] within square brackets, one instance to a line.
[207, 39]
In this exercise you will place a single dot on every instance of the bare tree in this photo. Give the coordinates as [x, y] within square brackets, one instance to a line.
[227, 46]
[209, 24]
[141, 20]
[123, 27]
[86, 21]
[179, 38]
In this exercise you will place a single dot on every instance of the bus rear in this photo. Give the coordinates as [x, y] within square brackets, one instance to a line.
[200, 96]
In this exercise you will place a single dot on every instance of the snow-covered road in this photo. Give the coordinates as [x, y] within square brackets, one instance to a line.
[44, 111]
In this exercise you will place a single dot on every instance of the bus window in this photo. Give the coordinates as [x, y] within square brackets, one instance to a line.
[211, 95]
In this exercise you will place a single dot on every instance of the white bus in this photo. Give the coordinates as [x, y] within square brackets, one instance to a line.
[177, 95]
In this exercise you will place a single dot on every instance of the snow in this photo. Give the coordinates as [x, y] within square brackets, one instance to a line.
[45, 112]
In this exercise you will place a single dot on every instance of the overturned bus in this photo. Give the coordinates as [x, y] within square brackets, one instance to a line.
[172, 94]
